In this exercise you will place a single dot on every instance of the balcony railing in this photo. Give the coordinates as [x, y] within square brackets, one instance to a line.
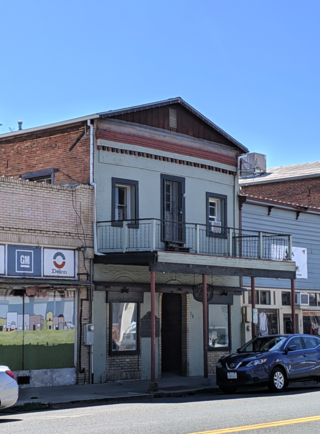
[148, 235]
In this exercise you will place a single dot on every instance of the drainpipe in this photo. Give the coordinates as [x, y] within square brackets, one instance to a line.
[95, 240]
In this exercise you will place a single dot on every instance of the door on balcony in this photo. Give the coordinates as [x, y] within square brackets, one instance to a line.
[173, 209]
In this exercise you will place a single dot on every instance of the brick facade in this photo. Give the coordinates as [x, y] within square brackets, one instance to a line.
[39, 214]
[302, 192]
[48, 149]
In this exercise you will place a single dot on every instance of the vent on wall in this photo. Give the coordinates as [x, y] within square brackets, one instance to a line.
[172, 118]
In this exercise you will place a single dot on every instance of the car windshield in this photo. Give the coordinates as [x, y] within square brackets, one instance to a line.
[263, 344]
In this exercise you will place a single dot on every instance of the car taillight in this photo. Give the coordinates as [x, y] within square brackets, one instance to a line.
[11, 374]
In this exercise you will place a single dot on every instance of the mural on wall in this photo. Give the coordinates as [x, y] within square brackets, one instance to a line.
[37, 332]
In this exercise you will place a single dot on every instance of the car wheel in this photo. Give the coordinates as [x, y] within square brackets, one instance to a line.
[228, 389]
[278, 381]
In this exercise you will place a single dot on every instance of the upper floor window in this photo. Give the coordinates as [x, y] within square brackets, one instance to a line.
[125, 204]
[286, 298]
[216, 215]
[45, 176]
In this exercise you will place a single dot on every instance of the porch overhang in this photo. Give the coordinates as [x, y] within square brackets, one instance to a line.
[222, 266]
[185, 263]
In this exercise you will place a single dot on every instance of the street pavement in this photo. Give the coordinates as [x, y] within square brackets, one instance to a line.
[209, 413]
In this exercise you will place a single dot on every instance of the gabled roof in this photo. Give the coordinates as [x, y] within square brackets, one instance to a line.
[285, 173]
[171, 101]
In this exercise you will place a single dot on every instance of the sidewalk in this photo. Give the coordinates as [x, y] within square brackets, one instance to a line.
[169, 386]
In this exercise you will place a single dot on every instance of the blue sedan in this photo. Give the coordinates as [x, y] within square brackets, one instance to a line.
[271, 361]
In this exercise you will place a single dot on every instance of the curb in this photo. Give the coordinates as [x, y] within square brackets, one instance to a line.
[39, 406]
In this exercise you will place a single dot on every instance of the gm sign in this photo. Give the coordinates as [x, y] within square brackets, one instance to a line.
[58, 263]
[24, 261]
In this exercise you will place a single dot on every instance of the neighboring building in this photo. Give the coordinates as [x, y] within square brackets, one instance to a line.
[286, 200]
[166, 231]
[44, 231]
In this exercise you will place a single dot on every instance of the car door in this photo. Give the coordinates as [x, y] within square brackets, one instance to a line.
[296, 360]
[312, 355]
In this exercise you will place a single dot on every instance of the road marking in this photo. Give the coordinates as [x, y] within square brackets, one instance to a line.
[261, 425]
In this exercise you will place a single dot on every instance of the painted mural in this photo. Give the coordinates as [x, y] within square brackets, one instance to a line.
[37, 332]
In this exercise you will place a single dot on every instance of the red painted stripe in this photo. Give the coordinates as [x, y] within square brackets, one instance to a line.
[162, 145]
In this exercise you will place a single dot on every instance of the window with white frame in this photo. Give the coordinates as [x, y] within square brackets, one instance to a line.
[216, 214]
[124, 201]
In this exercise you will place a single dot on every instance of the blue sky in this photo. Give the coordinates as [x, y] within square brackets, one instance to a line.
[251, 66]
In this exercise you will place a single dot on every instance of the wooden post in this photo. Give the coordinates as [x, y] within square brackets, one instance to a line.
[153, 327]
[253, 305]
[293, 306]
[205, 327]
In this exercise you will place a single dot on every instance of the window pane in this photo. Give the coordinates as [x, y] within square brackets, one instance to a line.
[264, 297]
[310, 342]
[312, 299]
[218, 324]
[286, 298]
[124, 326]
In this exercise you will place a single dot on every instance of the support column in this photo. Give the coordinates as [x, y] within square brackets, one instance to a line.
[205, 327]
[253, 305]
[293, 306]
[153, 326]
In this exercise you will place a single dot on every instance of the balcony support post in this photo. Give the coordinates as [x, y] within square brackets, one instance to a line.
[153, 235]
[124, 237]
[293, 306]
[253, 305]
[205, 326]
[260, 245]
[153, 386]
[230, 235]
[197, 238]
[290, 248]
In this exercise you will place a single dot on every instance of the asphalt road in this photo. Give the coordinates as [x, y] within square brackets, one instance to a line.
[212, 414]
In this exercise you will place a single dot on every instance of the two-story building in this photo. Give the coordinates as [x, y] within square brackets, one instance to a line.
[285, 199]
[168, 248]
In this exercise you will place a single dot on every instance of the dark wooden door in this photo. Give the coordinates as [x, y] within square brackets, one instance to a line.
[173, 213]
[171, 333]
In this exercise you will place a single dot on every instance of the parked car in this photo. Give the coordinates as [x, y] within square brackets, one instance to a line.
[272, 361]
[9, 389]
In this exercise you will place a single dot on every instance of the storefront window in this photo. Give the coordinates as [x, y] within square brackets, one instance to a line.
[268, 322]
[37, 332]
[218, 323]
[123, 327]
[311, 323]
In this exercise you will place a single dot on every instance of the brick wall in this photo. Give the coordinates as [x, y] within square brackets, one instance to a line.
[48, 149]
[185, 334]
[304, 192]
[44, 214]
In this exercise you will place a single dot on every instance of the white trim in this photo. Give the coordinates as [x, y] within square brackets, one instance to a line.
[45, 127]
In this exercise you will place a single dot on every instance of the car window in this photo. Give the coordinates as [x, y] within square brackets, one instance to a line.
[296, 341]
[270, 343]
[310, 342]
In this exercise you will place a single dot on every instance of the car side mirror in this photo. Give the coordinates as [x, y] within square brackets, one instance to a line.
[291, 348]
[238, 350]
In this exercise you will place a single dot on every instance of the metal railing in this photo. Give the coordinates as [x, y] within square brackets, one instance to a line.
[148, 235]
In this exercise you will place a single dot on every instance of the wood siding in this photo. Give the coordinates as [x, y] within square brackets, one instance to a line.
[305, 233]
[187, 122]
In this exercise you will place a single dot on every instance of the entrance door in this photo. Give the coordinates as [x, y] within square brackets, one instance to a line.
[173, 231]
[171, 335]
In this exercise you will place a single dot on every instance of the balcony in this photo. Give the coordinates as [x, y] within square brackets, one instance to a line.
[154, 235]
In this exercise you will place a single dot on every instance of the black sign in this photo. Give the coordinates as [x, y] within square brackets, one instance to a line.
[198, 292]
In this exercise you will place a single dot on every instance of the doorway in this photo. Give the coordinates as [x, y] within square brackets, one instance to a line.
[173, 209]
[171, 333]
[287, 323]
